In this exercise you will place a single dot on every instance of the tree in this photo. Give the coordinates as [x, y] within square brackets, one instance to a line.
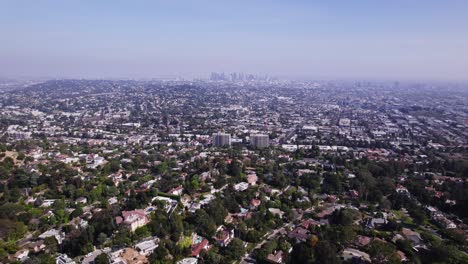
[418, 215]
[21, 156]
[46, 259]
[161, 168]
[122, 237]
[325, 252]
[217, 211]
[204, 223]
[343, 217]
[101, 238]
[177, 226]
[302, 253]
[383, 252]
[103, 222]
[6, 248]
[253, 236]
[332, 184]
[310, 181]
[212, 257]
[51, 244]
[235, 249]
[12, 230]
[159, 254]
[102, 259]
[142, 232]
[234, 168]
[444, 253]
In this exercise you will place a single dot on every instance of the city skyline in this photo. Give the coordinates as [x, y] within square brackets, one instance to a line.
[233, 132]
[401, 40]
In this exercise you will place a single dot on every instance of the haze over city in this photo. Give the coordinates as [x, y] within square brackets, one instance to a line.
[405, 40]
[233, 132]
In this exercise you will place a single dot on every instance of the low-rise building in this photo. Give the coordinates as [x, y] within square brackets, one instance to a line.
[133, 219]
[147, 247]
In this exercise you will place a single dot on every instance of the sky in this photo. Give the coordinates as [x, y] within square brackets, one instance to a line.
[307, 39]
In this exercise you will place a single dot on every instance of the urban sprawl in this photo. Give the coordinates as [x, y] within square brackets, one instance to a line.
[235, 169]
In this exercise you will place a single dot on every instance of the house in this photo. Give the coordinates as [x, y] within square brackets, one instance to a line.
[275, 257]
[82, 200]
[53, 233]
[90, 257]
[372, 223]
[254, 203]
[112, 200]
[176, 190]
[307, 223]
[243, 214]
[413, 236]
[118, 260]
[327, 210]
[169, 204]
[194, 207]
[21, 255]
[133, 219]
[354, 194]
[48, 203]
[207, 199]
[64, 259]
[147, 247]
[299, 234]
[185, 200]
[252, 179]
[77, 222]
[402, 256]
[439, 219]
[188, 261]
[401, 189]
[205, 176]
[116, 257]
[362, 241]
[351, 253]
[224, 236]
[276, 211]
[36, 246]
[242, 186]
[94, 160]
[116, 178]
[199, 243]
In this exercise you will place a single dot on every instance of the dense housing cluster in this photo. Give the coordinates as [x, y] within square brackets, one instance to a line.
[243, 169]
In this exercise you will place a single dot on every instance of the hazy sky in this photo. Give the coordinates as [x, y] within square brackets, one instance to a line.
[377, 39]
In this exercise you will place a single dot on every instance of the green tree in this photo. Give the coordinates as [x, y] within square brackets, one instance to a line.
[102, 259]
[325, 252]
[212, 257]
[51, 244]
[234, 168]
[177, 226]
[383, 252]
[101, 238]
[159, 255]
[235, 249]
[343, 217]
[217, 211]
[303, 253]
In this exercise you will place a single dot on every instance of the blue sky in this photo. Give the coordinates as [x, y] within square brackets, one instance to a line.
[346, 39]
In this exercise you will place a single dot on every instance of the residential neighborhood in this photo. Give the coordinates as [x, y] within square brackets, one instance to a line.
[231, 170]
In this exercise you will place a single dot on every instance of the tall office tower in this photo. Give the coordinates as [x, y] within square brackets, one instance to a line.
[259, 140]
[221, 139]
[233, 77]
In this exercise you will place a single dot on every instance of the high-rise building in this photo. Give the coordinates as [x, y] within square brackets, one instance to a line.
[221, 139]
[259, 140]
